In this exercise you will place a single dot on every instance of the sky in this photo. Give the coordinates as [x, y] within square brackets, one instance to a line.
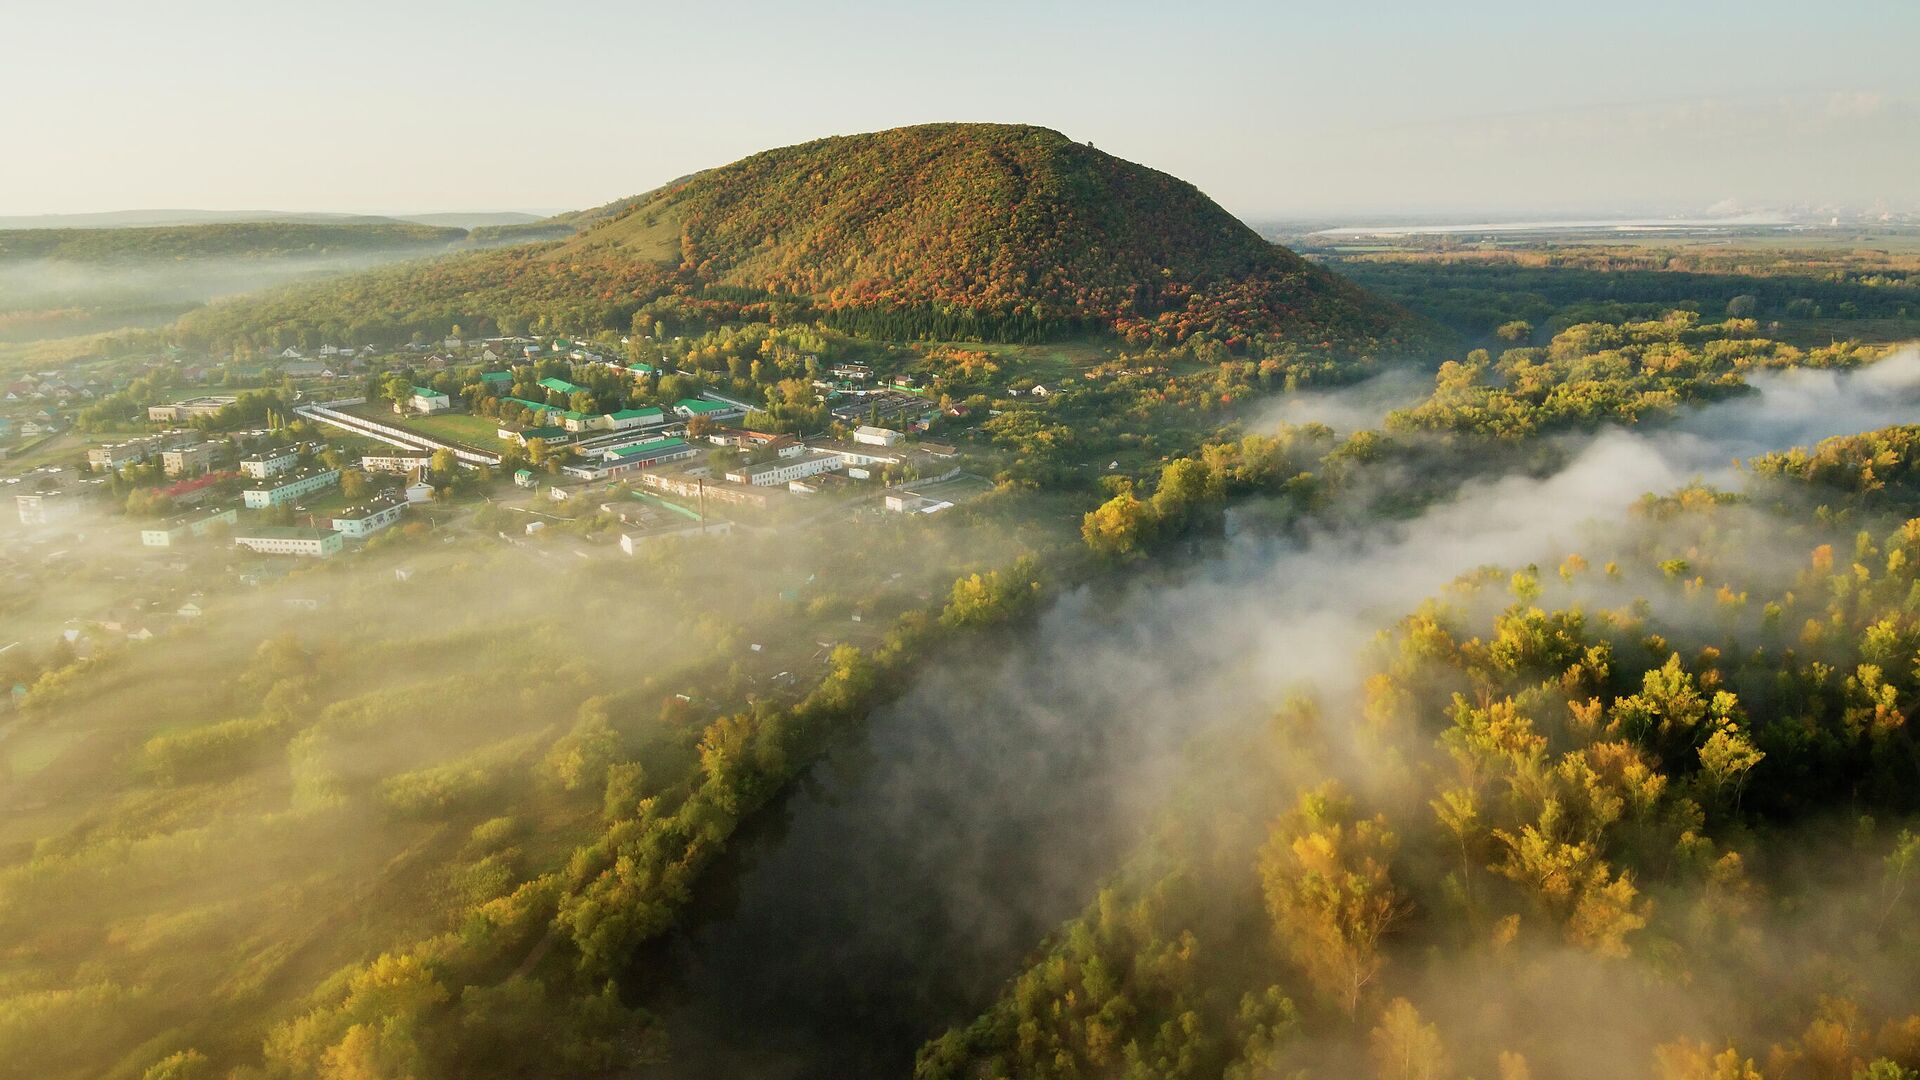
[1277, 109]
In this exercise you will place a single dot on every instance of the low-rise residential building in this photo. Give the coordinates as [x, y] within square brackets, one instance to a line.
[186, 410]
[45, 508]
[426, 400]
[289, 540]
[187, 461]
[525, 478]
[548, 435]
[633, 418]
[856, 454]
[781, 471]
[625, 459]
[651, 452]
[419, 491]
[360, 522]
[868, 435]
[108, 457]
[747, 439]
[267, 463]
[686, 485]
[400, 464]
[563, 386]
[713, 410]
[171, 532]
[289, 488]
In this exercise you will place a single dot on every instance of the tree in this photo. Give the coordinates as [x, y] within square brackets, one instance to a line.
[1118, 526]
[1405, 1047]
[184, 1065]
[1516, 332]
[397, 388]
[1328, 889]
[581, 758]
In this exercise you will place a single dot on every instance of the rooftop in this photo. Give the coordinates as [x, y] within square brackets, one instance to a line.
[282, 532]
[651, 447]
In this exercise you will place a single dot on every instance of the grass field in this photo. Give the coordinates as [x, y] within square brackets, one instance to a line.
[478, 432]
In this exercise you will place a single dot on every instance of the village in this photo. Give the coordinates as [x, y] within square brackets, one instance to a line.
[188, 475]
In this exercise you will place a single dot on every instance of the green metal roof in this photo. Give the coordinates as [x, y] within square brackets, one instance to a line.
[496, 376]
[641, 369]
[633, 414]
[421, 391]
[652, 447]
[561, 385]
[698, 406]
[535, 405]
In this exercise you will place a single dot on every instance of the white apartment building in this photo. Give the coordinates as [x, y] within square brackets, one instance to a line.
[401, 464]
[261, 498]
[187, 460]
[781, 471]
[180, 528]
[268, 463]
[360, 522]
[289, 540]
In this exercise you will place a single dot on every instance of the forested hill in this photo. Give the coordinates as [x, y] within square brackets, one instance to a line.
[999, 232]
[222, 240]
[1018, 222]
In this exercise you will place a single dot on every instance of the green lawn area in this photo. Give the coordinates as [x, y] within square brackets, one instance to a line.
[60, 449]
[478, 432]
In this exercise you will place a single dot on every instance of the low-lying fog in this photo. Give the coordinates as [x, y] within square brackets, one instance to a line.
[912, 873]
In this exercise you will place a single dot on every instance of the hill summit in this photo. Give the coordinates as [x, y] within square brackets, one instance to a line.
[946, 231]
[1014, 226]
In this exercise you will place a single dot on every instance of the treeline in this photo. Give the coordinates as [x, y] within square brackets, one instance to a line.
[1476, 293]
[1593, 373]
[225, 240]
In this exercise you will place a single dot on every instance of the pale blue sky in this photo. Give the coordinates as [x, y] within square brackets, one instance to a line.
[1273, 108]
